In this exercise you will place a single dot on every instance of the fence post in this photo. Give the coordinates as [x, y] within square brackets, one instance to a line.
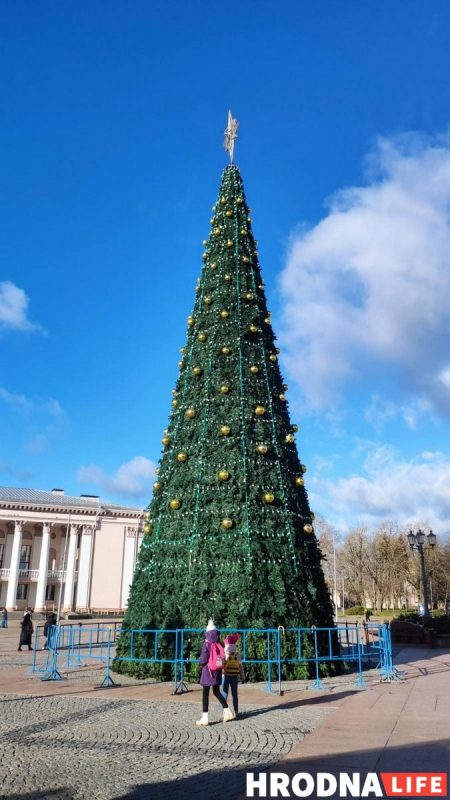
[53, 674]
[360, 682]
[317, 683]
[107, 681]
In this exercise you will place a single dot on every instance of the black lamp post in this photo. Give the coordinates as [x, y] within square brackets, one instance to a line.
[417, 542]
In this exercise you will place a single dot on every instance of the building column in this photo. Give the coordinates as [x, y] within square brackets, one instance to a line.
[128, 565]
[84, 567]
[70, 570]
[14, 568]
[43, 568]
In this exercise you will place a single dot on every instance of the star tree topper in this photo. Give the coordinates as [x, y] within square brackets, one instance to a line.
[230, 135]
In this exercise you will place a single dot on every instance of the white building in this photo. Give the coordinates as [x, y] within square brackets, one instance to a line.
[78, 548]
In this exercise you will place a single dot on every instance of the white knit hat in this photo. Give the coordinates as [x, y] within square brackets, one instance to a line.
[210, 626]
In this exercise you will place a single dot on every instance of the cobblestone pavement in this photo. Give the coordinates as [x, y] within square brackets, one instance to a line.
[71, 748]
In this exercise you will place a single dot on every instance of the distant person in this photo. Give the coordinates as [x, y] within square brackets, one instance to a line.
[4, 618]
[26, 632]
[212, 657]
[367, 615]
[49, 622]
[232, 670]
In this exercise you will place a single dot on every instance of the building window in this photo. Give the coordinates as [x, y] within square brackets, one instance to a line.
[2, 546]
[50, 591]
[25, 556]
[22, 591]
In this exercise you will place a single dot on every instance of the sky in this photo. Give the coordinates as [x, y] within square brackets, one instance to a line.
[111, 148]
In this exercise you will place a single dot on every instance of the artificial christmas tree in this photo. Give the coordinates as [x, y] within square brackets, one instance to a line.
[229, 531]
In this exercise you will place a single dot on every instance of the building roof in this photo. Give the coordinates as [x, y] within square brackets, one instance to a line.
[10, 495]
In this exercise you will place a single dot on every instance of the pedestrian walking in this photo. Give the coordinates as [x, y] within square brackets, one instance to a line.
[49, 622]
[4, 618]
[26, 632]
[212, 659]
[233, 670]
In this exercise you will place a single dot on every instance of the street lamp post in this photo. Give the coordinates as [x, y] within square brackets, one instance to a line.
[417, 542]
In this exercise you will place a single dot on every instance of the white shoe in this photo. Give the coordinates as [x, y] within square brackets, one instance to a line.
[227, 715]
[203, 720]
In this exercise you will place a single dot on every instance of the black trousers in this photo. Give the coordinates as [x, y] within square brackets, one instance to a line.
[216, 692]
[231, 682]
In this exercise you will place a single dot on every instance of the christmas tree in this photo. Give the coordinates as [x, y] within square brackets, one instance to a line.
[229, 531]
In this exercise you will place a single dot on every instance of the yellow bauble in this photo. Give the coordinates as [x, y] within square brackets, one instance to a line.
[273, 358]
[202, 336]
[223, 201]
[229, 243]
[174, 403]
[181, 349]
[243, 231]
[268, 497]
[227, 523]
[165, 440]
[262, 449]
[254, 369]
[260, 410]
[175, 504]
[208, 300]
[245, 259]
[225, 430]
[228, 213]
[249, 219]
[213, 266]
[190, 413]
[225, 351]
[182, 457]
[223, 475]
[156, 486]
[190, 321]
[261, 285]
[308, 528]
[289, 437]
[224, 313]
[267, 320]
[249, 296]
[181, 363]
[282, 398]
[295, 428]
[224, 389]
[253, 329]
[239, 200]
[227, 276]
[197, 370]
[148, 527]
[217, 230]
[313, 516]
[299, 481]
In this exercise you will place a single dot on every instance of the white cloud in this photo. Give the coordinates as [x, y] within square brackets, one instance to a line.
[395, 488]
[21, 403]
[369, 285]
[14, 309]
[132, 479]
[380, 411]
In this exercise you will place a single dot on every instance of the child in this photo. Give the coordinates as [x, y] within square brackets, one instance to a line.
[233, 670]
[211, 678]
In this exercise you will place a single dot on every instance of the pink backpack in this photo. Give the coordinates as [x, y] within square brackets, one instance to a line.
[216, 658]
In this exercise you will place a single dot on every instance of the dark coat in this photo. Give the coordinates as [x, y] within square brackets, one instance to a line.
[209, 677]
[27, 631]
[49, 622]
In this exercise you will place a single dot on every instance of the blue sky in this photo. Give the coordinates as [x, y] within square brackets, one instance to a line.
[111, 149]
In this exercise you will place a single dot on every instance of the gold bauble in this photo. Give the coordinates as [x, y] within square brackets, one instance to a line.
[227, 276]
[208, 300]
[228, 213]
[181, 363]
[225, 430]
[227, 523]
[289, 437]
[285, 387]
[253, 329]
[268, 497]
[181, 349]
[225, 350]
[243, 231]
[205, 242]
[282, 398]
[245, 259]
[190, 413]
[197, 370]
[213, 266]
[223, 201]
[273, 358]
[313, 516]
[157, 470]
[182, 457]
[148, 527]
[295, 428]
[202, 336]
[229, 243]
[217, 230]
[190, 321]
[308, 528]
[175, 503]
[224, 389]
[254, 369]
[223, 475]
[249, 219]
[262, 449]
[174, 403]
[224, 313]
[174, 391]
[277, 350]
[304, 469]
[249, 296]
[261, 285]
[239, 200]
[299, 481]
[197, 289]
[267, 320]
[156, 486]
[165, 440]
[260, 410]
